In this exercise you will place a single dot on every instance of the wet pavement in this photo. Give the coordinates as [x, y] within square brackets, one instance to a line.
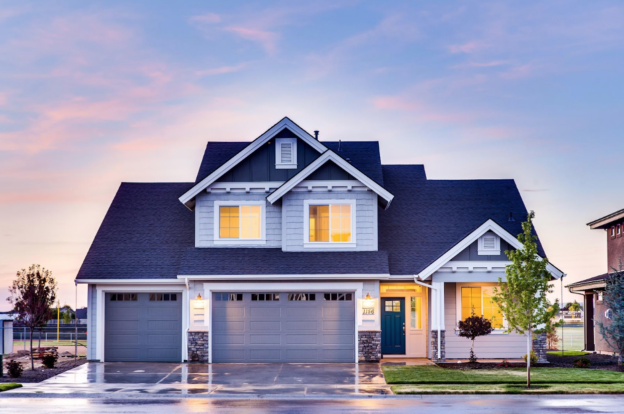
[231, 379]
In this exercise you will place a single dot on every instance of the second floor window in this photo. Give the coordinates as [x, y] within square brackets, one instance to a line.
[240, 222]
[330, 223]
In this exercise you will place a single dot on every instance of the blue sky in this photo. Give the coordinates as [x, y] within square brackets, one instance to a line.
[95, 93]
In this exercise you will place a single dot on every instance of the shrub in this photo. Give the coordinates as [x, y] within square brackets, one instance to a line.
[14, 369]
[49, 359]
[505, 364]
[534, 358]
[582, 363]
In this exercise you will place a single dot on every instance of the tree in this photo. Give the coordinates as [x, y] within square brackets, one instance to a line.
[32, 294]
[522, 298]
[573, 306]
[613, 300]
[473, 327]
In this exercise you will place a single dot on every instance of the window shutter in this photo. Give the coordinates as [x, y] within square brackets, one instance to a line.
[286, 152]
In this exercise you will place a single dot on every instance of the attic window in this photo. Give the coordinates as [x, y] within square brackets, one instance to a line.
[286, 153]
[489, 244]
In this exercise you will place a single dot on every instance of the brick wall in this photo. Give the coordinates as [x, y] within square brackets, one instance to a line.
[198, 346]
[369, 346]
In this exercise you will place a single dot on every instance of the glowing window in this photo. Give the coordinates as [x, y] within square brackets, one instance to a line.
[479, 300]
[416, 312]
[330, 223]
[240, 222]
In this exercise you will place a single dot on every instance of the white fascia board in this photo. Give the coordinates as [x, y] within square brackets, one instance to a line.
[329, 155]
[287, 277]
[129, 281]
[257, 143]
[489, 225]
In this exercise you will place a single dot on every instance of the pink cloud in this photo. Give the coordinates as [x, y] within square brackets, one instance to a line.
[210, 18]
[418, 110]
[518, 72]
[469, 47]
[221, 70]
[267, 39]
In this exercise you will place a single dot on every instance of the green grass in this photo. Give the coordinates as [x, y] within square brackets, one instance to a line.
[568, 353]
[431, 374]
[509, 389]
[9, 386]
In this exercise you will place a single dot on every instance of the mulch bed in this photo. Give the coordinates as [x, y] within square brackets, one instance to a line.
[41, 373]
[466, 366]
[598, 361]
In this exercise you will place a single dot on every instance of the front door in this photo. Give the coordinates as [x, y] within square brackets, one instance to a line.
[393, 325]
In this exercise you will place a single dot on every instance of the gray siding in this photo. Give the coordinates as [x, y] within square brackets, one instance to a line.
[471, 253]
[492, 346]
[365, 223]
[204, 215]
[91, 323]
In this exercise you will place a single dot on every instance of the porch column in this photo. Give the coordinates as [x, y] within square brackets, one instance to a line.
[438, 323]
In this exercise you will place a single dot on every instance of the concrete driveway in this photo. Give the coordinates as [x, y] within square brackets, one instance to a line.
[195, 379]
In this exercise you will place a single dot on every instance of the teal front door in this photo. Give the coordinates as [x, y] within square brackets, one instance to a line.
[393, 325]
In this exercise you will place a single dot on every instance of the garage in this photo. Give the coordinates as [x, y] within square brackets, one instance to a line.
[143, 327]
[283, 327]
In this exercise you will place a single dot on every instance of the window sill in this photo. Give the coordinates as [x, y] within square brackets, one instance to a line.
[328, 245]
[285, 166]
[238, 242]
[488, 252]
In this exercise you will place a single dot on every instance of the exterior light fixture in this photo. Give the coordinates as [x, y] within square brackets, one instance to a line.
[368, 305]
[198, 303]
[198, 297]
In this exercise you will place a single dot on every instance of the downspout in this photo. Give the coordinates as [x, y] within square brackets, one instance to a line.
[439, 298]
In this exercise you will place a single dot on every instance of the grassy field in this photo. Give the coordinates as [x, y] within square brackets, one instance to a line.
[509, 389]
[573, 338]
[431, 374]
[568, 353]
[9, 386]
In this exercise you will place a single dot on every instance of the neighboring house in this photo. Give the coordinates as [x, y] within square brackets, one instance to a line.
[592, 289]
[288, 248]
[81, 314]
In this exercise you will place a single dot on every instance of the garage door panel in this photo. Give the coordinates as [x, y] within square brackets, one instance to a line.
[301, 325]
[304, 313]
[125, 354]
[224, 326]
[265, 326]
[228, 339]
[117, 340]
[338, 313]
[260, 355]
[267, 339]
[301, 339]
[256, 312]
[303, 354]
[163, 325]
[132, 326]
[338, 325]
[227, 313]
[122, 314]
[336, 355]
[164, 313]
[337, 339]
[229, 354]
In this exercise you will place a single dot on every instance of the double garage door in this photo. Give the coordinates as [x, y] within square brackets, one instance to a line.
[283, 327]
[143, 327]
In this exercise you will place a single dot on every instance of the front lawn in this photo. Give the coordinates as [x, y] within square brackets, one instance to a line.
[431, 374]
[9, 386]
[509, 389]
[568, 353]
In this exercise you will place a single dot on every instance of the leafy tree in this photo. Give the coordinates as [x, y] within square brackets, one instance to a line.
[473, 327]
[613, 299]
[573, 306]
[33, 293]
[522, 298]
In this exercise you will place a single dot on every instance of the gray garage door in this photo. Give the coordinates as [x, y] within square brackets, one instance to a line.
[143, 327]
[283, 327]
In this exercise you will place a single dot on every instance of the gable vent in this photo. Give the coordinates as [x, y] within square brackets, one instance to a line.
[286, 153]
[489, 244]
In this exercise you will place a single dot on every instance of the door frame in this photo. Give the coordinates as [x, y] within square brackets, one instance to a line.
[404, 310]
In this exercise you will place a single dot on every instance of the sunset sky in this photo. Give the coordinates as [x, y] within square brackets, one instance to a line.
[96, 93]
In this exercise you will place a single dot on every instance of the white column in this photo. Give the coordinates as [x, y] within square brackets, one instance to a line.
[437, 302]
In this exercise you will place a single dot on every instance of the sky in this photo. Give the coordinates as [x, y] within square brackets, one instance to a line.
[96, 93]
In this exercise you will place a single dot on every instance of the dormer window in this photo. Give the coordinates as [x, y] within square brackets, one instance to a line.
[489, 244]
[286, 153]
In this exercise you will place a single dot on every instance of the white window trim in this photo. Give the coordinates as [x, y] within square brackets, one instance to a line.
[237, 203]
[323, 245]
[482, 251]
[458, 286]
[278, 154]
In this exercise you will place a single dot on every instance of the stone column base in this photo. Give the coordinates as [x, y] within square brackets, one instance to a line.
[434, 346]
[198, 346]
[540, 344]
[369, 346]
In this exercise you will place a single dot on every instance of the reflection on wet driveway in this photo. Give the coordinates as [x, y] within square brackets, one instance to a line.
[194, 379]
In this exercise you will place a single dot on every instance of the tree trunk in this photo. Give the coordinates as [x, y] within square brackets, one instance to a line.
[529, 337]
[32, 361]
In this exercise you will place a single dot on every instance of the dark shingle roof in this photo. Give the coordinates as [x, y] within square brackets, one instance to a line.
[591, 280]
[440, 214]
[364, 155]
[143, 234]
[233, 261]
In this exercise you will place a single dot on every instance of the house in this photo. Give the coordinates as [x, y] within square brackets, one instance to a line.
[593, 288]
[290, 248]
[6, 333]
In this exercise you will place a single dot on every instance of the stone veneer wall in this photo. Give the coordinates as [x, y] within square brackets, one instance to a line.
[369, 346]
[198, 346]
[539, 347]
[434, 346]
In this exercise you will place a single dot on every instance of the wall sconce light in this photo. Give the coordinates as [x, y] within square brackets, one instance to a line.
[198, 297]
[368, 305]
[198, 303]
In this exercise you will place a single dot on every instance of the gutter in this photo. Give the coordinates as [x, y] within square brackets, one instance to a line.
[439, 297]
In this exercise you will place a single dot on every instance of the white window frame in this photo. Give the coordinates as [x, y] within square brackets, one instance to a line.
[278, 154]
[239, 203]
[458, 307]
[330, 244]
[482, 251]
[409, 314]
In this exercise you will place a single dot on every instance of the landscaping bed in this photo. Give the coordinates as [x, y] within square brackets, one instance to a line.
[41, 373]
[598, 361]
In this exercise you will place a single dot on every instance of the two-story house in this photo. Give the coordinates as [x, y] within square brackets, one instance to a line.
[290, 248]
[593, 288]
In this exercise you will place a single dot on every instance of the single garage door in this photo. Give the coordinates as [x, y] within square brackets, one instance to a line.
[283, 327]
[143, 327]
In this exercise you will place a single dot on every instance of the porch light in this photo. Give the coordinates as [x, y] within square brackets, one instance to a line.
[368, 305]
[198, 297]
[198, 303]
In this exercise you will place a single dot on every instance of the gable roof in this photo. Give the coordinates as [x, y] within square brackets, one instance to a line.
[188, 198]
[604, 222]
[596, 281]
[330, 156]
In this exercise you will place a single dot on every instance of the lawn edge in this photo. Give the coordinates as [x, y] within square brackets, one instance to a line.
[9, 386]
